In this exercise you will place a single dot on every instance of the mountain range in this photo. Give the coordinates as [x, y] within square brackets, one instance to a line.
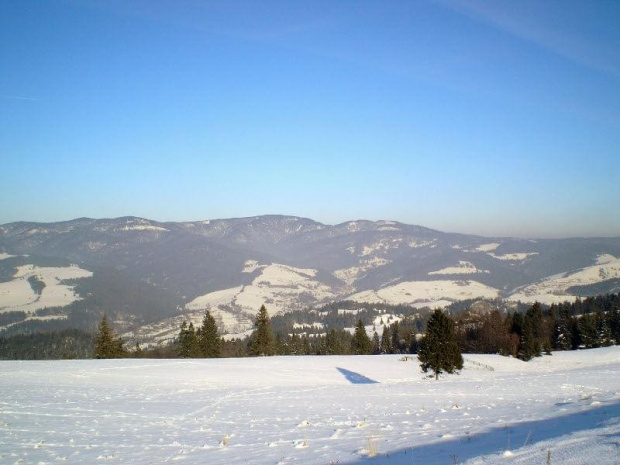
[153, 274]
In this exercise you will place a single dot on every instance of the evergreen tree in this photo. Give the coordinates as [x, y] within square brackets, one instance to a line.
[588, 331]
[528, 347]
[376, 344]
[386, 341]
[438, 350]
[613, 320]
[262, 342]
[396, 344]
[361, 345]
[187, 344]
[209, 339]
[107, 345]
[562, 334]
[605, 338]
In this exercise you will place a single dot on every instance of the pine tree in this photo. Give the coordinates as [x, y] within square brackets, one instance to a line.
[187, 344]
[361, 345]
[562, 334]
[209, 339]
[376, 344]
[588, 331]
[438, 350]
[527, 347]
[605, 338]
[386, 341]
[262, 342]
[107, 345]
[396, 346]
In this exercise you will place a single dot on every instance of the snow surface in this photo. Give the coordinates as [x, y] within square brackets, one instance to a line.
[462, 268]
[4, 256]
[142, 227]
[352, 274]
[519, 256]
[487, 247]
[605, 258]
[427, 293]
[17, 294]
[554, 289]
[313, 410]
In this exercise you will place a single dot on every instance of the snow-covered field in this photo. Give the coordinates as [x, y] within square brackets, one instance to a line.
[313, 410]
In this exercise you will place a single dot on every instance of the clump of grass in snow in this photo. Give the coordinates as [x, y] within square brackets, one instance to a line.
[371, 446]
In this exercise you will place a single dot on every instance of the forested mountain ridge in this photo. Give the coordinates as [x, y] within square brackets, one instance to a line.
[153, 273]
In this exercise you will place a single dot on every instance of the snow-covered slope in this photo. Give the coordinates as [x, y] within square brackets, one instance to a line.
[233, 266]
[313, 410]
[18, 294]
[427, 293]
[555, 289]
[282, 288]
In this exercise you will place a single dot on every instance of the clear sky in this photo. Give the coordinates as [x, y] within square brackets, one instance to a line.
[488, 117]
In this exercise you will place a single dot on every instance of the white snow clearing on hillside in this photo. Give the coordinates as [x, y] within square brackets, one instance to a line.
[427, 293]
[313, 410]
[462, 268]
[554, 289]
[18, 295]
[487, 247]
[350, 275]
[520, 256]
[279, 287]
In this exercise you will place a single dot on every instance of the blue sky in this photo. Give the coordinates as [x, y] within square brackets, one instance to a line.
[494, 118]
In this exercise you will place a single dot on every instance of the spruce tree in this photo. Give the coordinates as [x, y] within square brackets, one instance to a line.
[528, 346]
[438, 350]
[386, 341]
[376, 344]
[361, 345]
[396, 346]
[209, 339]
[262, 342]
[588, 331]
[562, 334]
[107, 345]
[187, 344]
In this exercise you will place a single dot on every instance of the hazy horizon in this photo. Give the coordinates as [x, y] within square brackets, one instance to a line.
[493, 118]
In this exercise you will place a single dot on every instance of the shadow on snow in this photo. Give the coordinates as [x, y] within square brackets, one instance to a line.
[356, 378]
[499, 439]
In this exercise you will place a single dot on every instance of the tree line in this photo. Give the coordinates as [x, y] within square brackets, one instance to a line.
[588, 323]
[583, 324]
